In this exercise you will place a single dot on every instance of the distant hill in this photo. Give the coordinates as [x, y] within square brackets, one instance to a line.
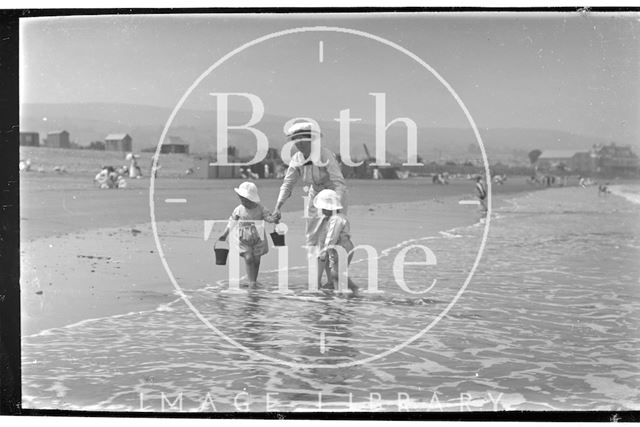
[93, 121]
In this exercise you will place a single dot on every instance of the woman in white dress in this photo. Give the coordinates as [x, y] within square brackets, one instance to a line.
[317, 175]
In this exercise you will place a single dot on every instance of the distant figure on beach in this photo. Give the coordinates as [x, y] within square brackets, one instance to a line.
[603, 189]
[153, 171]
[246, 173]
[482, 194]
[317, 177]
[500, 179]
[108, 177]
[581, 182]
[252, 242]
[332, 230]
[102, 177]
[376, 173]
[439, 178]
[134, 169]
[25, 165]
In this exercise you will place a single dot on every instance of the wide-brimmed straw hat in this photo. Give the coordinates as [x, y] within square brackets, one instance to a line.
[327, 199]
[302, 131]
[248, 190]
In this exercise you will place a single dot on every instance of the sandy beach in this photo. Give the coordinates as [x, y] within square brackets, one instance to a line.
[90, 253]
[123, 307]
[546, 323]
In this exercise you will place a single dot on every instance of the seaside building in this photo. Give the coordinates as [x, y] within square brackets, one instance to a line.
[607, 160]
[58, 139]
[30, 139]
[203, 167]
[175, 145]
[569, 160]
[118, 142]
[268, 167]
[617, 160]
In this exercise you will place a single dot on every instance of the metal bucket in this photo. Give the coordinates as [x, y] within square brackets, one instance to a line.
[277, 238]
[221, 255]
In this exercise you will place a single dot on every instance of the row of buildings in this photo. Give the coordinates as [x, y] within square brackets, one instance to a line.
[112, 142]
[612, 159]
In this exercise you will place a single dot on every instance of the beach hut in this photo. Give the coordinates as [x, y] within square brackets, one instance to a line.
[58, 139]
[206, 170]
[30, 139]
[118, 142]
[175, 145]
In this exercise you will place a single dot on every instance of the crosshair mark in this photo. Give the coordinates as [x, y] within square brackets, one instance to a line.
[321, 51]
[323, 346]
[175, 200]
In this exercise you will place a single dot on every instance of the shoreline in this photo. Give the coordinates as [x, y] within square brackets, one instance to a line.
[61, 205]
[67, 278]
[93, 283]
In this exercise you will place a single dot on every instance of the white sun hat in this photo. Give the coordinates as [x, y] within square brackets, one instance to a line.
[327, 199]
[248, 190]
[302, 131]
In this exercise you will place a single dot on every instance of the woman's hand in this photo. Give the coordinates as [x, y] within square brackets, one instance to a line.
[276, 215]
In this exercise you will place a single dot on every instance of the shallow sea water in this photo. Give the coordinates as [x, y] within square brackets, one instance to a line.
[549, 321]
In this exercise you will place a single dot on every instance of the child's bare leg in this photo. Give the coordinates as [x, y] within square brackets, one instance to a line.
[321, 269]
[327, 269]
[249, 261]
[352, 286]
[335, 278]
[256, 269]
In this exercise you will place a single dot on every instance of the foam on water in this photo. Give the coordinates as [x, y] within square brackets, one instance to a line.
[549, 322]
[629, 192]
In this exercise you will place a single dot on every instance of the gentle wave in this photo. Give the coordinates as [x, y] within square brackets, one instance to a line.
[629, 192]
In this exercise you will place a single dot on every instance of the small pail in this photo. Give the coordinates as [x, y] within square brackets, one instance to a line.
[221, 255]
[277, 238]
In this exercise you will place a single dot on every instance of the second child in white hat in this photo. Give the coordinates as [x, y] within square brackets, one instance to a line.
[252, 241]
[332, 230]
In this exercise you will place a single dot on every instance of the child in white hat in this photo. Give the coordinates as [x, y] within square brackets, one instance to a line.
[332, 230]
[252, 243]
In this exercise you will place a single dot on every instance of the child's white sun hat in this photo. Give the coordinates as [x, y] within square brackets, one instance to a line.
[327, 199]
[248, 190]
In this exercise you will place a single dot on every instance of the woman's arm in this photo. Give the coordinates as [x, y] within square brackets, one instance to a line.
[290, 179]
[335, 175]
[268, 216]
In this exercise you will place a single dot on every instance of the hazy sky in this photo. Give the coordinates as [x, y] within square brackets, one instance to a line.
[552, 71]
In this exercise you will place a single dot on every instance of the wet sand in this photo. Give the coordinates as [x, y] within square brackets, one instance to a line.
[89, 253]
[55, 205]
